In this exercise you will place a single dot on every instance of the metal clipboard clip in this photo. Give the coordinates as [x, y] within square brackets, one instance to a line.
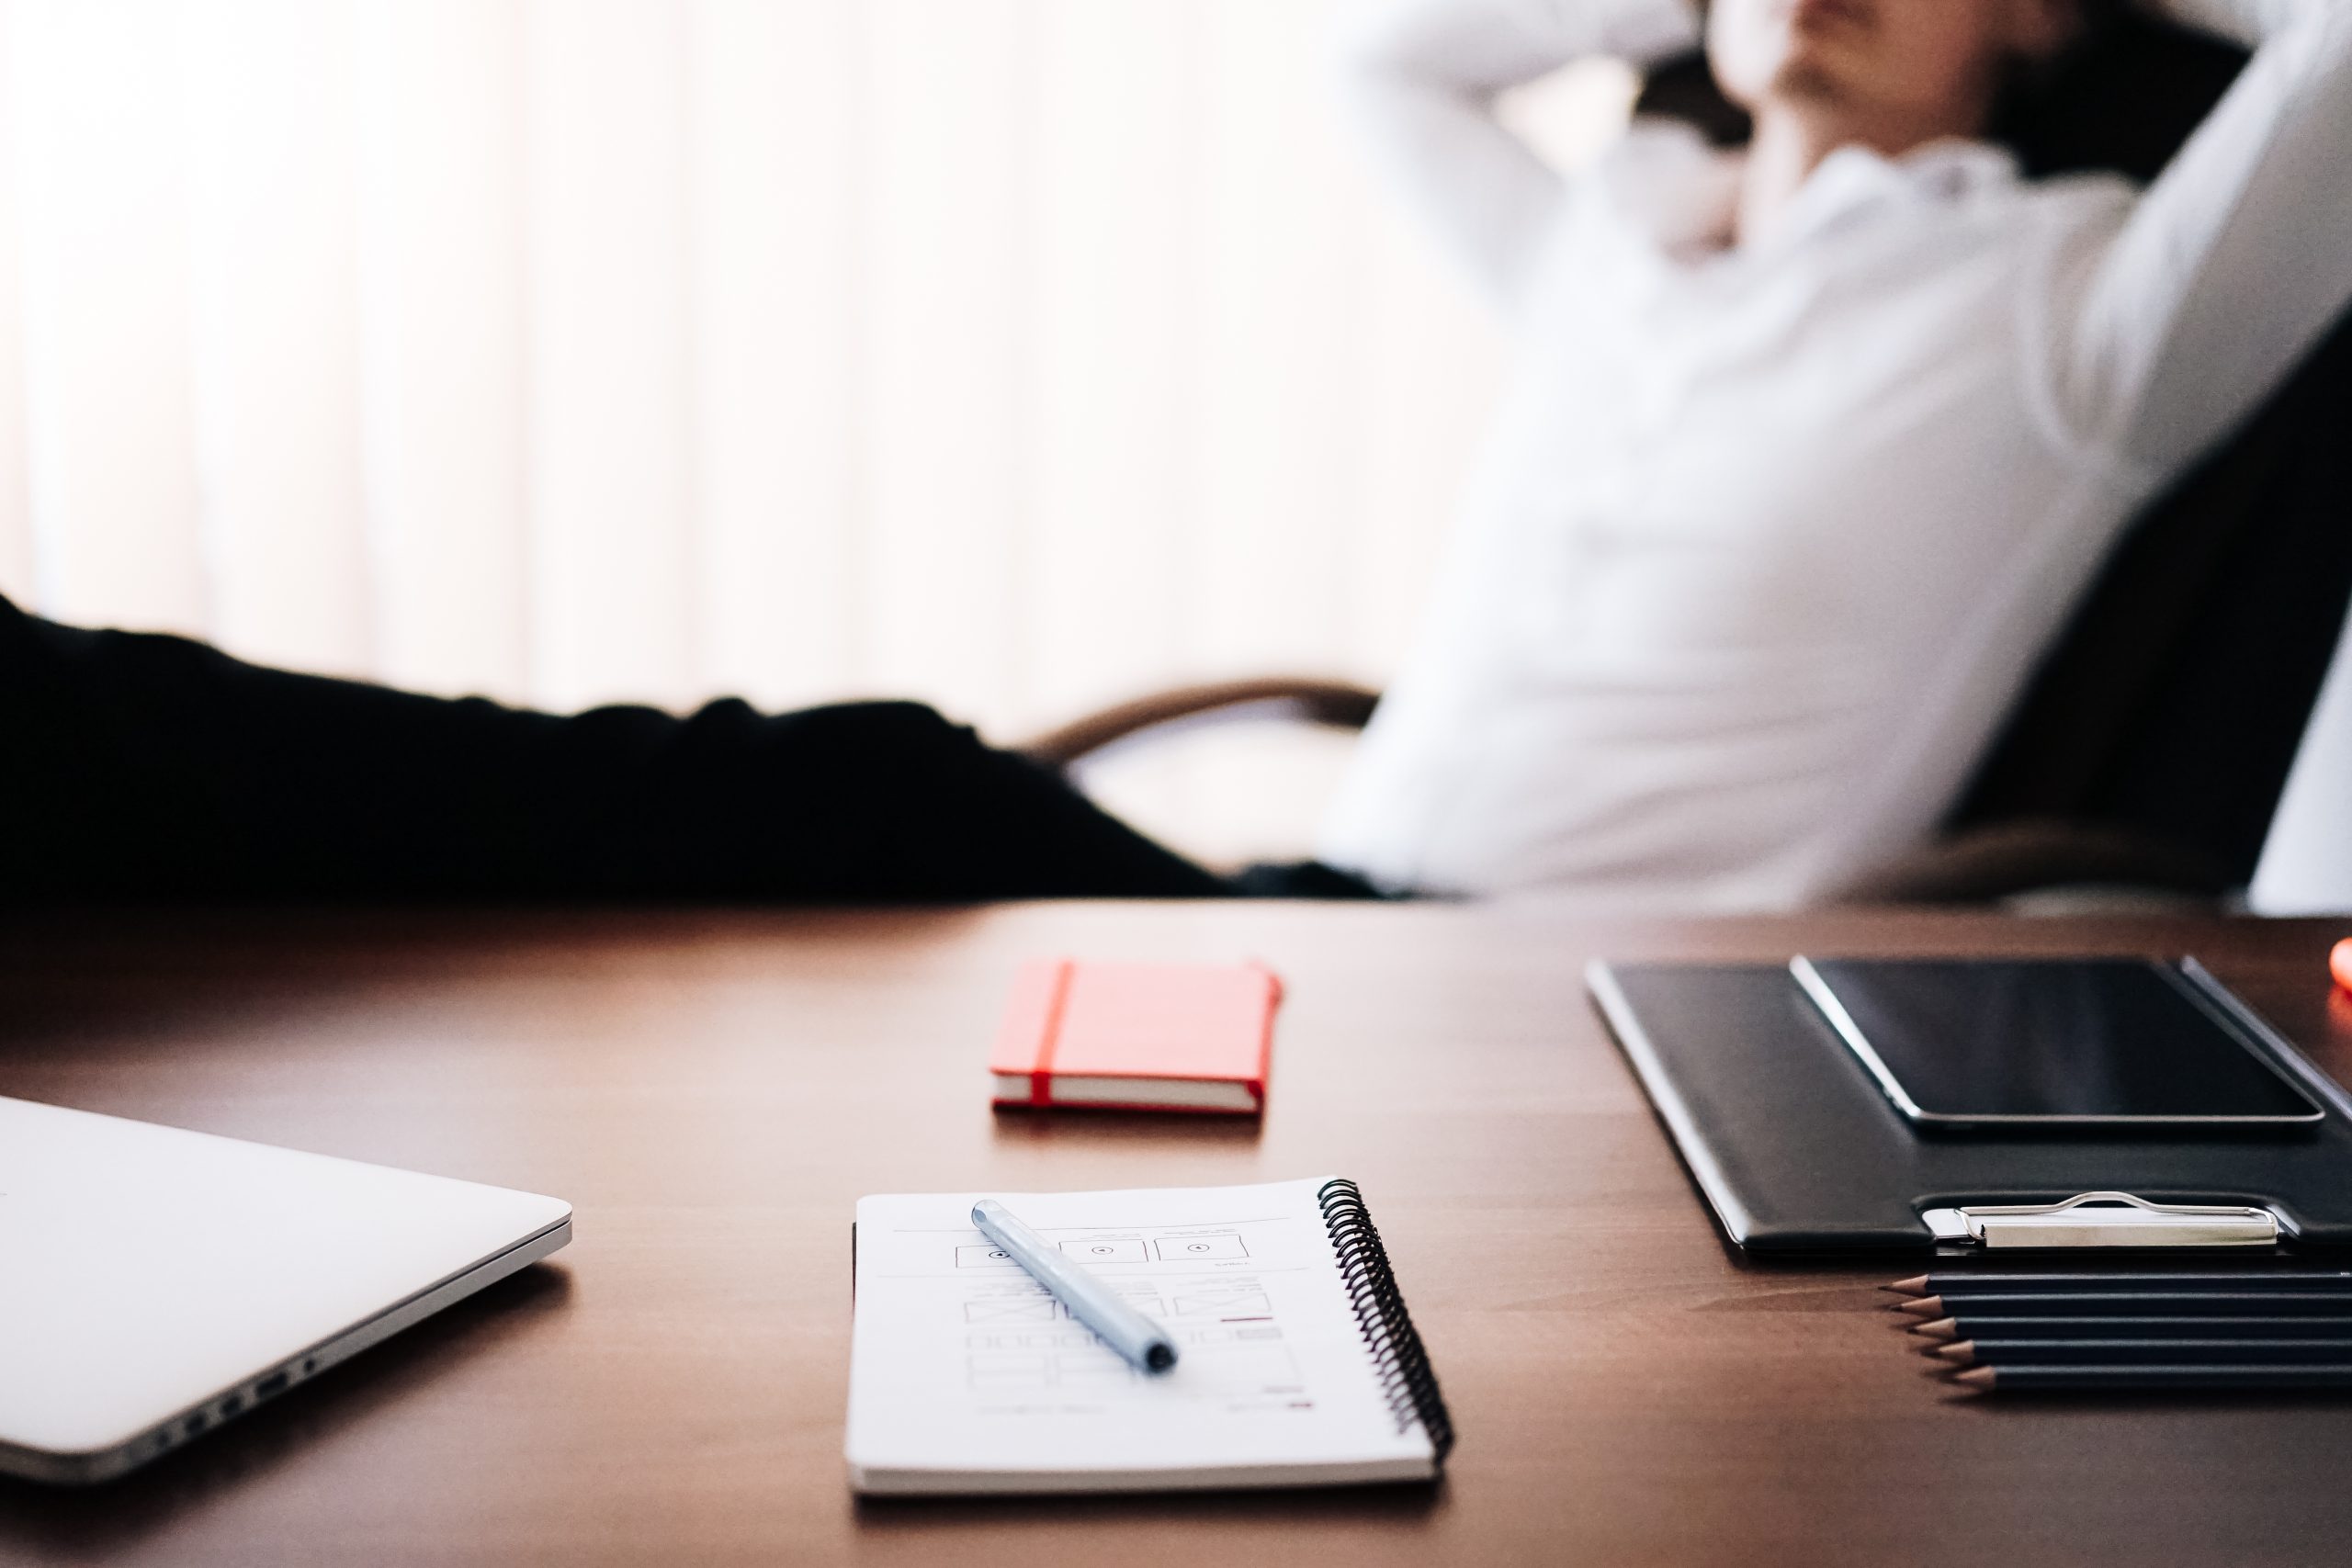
[2104, 1219]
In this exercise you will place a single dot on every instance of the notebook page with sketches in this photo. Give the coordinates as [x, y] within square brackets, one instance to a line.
[967, 1376]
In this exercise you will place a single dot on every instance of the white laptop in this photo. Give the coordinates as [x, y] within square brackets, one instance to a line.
[155, 1283]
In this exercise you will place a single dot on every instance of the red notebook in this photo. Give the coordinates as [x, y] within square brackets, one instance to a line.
[1137, 1036]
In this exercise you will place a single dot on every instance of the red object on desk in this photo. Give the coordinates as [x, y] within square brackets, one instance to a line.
[2339, 964]
[1137, 1036]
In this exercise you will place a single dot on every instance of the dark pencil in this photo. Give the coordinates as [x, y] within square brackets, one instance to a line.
[2136, 1303]
[1967, 1283]
[2139, 1352]
[2118, 1380]
[1967, 1326]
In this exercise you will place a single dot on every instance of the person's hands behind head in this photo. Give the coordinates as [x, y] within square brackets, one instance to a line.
[1899, 71]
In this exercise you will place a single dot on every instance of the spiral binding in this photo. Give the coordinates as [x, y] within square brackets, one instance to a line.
[1402, 1364]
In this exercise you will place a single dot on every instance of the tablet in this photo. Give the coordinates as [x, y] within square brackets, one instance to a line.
[2068, 1042]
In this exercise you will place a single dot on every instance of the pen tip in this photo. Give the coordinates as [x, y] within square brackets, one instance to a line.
[1977, 1377]
[1960, 1350]
[1914, 1286]
[1925, 1307]
[1942, 1329]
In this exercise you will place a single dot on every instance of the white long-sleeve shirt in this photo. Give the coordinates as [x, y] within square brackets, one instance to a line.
[1768, 538]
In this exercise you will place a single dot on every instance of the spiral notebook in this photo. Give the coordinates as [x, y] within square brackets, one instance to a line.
[1298, 1363]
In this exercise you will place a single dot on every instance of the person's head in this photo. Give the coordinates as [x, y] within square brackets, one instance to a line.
[1900, 69]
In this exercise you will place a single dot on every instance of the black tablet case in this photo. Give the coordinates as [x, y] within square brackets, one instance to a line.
[1798, 1151]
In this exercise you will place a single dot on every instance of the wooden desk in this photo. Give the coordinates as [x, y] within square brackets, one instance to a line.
[714, 1091]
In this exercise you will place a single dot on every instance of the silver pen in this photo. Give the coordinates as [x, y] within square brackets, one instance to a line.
[1090, 1301]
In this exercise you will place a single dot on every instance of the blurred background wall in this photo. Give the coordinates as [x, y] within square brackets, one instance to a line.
[1016, 355]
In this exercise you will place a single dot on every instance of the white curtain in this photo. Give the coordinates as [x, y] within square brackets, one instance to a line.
[1016, 355]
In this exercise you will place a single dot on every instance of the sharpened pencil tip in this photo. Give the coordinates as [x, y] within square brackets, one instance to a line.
[1914, 1286]
[1961, 1350]
[1942, 1329]
[1926, 1306]
[1977, 1377]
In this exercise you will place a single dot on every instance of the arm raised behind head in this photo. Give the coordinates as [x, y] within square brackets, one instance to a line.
[1422, 76]
[2236, 261]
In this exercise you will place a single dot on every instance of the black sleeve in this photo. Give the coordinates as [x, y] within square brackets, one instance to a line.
[138, 766]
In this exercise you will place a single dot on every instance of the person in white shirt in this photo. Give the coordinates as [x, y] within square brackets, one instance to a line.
[1809, 452]
[1810, 448]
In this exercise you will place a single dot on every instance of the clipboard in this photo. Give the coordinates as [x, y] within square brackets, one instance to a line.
[1797, 1151]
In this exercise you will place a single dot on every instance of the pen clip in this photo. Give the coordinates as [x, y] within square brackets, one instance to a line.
[2104, 1219]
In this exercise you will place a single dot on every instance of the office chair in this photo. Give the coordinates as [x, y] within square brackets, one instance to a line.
[2152, 745]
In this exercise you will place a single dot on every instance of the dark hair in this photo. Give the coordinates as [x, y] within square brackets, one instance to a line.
[2122, 97]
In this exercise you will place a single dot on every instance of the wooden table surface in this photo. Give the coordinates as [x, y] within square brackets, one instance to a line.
[714, 1091]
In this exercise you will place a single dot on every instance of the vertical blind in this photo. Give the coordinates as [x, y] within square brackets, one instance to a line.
[1015, 354]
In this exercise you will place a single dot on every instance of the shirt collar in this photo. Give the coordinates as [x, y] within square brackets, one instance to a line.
[1682, 193]
[1856, 180]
